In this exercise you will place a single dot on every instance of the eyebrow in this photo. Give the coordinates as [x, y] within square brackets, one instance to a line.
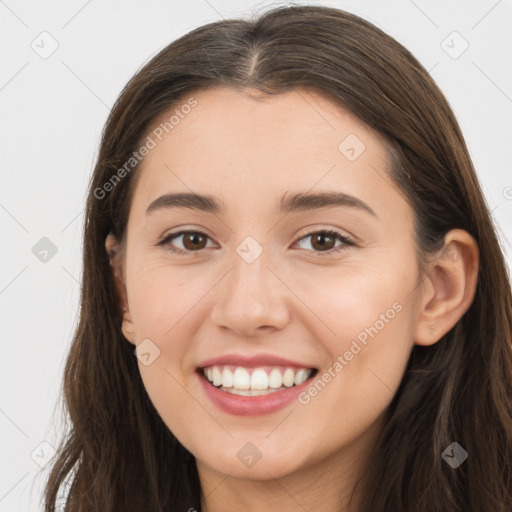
[288, 204]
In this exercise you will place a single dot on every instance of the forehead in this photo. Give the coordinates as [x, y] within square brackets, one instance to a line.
[238, 147]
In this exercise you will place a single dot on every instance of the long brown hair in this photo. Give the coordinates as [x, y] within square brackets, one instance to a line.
[118, 453]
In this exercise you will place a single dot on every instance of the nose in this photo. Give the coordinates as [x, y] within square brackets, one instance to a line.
[251, 299]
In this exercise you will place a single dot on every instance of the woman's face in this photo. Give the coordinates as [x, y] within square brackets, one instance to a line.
[274, 288]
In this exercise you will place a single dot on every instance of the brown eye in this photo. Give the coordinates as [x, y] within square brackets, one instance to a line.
[322, 241]
[194, 241]
[191, 242]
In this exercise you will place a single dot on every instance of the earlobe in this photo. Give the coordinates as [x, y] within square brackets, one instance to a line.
[112, 248]
[127, 328]
[449, 288]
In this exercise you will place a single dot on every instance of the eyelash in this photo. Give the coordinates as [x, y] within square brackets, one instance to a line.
[347, 242]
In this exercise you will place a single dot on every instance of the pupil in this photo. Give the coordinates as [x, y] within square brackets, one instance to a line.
[193, 237]
[322, 236]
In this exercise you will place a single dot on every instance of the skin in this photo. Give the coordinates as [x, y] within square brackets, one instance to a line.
[292, 301]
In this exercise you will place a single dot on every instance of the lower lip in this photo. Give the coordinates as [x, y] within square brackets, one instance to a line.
[252, 405]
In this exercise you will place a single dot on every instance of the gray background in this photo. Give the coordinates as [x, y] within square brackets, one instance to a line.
[53, 108]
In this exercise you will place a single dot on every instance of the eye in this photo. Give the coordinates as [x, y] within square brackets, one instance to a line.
[321, 242]
[192, 242]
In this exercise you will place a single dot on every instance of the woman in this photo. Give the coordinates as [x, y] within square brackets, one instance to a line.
[293, 293]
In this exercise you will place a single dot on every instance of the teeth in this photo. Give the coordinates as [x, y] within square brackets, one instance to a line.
[227, 378]
[301, 376]
[275, 379]
[259, 382]
[259, 379]
[217, 379]
[241, 379]
[288, 377]
[249, 392]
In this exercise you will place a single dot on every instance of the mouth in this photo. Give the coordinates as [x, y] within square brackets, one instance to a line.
[253, 386]
[255, 381]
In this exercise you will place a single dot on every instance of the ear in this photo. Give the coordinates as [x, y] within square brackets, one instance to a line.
[113, 250]
[449, 288]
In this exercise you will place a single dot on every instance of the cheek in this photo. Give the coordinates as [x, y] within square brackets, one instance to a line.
[162, 297]
[354, 302]
[366, 330]
[164, 304]
[368, 358]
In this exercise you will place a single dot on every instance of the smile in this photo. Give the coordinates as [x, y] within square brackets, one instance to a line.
[239, 380]
[253, 386]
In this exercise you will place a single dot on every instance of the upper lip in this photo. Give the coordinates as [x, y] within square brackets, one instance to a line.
[251, 361]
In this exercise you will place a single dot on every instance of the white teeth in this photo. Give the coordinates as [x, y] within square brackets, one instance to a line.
[301, 376]
[227, 378]
[259, 382]
[275, 380]
[249, 392]
[217, 379]
[259, 379]
[241, 379]
[288, 377]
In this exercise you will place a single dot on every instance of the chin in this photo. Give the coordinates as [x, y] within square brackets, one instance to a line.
[254, 461]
